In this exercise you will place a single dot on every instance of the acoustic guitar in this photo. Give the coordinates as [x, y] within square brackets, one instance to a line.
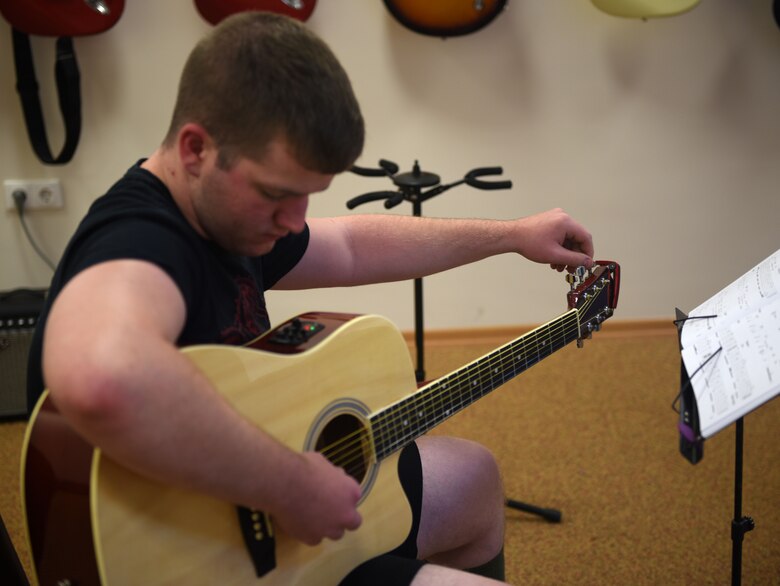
[340, 384]
[445, 18]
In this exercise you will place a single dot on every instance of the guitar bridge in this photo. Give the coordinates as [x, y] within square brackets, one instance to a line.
[258, 534]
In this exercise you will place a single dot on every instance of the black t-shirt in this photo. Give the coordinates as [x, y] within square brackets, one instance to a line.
[138, 219]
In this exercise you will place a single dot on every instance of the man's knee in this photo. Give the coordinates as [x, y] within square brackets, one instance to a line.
[481, 468]
[462, 465]
[463, 500]
[485, 495]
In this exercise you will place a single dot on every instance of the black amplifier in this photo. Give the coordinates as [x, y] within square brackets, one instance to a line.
[19, 312]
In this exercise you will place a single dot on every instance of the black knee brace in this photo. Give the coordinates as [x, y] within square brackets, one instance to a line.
[491, 569]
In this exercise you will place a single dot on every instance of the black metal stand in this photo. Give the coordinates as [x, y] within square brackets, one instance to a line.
[692, 448]
[551, 515]
[410, 188]
[739, 525]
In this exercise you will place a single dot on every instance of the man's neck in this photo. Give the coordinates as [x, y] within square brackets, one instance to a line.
[164, 165]
[156, 165]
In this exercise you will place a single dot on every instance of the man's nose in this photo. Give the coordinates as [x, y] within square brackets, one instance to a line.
[291, 215]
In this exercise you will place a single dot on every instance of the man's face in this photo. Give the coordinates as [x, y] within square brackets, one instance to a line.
[248, 207]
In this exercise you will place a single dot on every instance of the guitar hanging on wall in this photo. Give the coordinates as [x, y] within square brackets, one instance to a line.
[643, 9]
[445, 18]
[216, 10]
[63, 19]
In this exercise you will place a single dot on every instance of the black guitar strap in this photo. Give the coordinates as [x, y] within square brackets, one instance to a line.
[68, 91]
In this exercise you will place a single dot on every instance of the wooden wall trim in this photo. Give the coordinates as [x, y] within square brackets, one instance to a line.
[500, 334]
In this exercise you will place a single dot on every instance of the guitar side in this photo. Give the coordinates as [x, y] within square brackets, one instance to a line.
[54, 479]
[147, 533]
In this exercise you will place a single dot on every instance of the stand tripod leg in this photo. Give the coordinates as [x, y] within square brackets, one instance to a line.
[551, 515]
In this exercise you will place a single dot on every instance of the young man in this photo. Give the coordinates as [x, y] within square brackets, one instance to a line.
[180, 251]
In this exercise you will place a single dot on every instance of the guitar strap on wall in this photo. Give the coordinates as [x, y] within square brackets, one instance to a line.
[63, 19]
[68, 92]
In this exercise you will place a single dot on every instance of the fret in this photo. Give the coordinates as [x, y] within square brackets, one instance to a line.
[536, 347]
[380, 437]
[547, 342]
[436, 407]
[474, 383]
[401, 423]
[496, 372]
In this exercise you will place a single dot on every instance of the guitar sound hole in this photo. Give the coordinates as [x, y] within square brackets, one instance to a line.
[344, 441]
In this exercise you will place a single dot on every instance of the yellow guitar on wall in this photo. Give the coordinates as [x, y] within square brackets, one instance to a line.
[645, 8]
[340, 384]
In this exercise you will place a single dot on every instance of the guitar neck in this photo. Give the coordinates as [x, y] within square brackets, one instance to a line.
[408, 419]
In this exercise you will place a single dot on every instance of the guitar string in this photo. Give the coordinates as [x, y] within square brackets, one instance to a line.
[464, 382]
[357, 448]
[455, 386]
[352, 447]
[559, 323]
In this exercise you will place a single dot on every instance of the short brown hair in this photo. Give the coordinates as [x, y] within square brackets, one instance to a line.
[260, 75]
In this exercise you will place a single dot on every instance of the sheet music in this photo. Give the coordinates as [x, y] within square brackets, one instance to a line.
[745, 334]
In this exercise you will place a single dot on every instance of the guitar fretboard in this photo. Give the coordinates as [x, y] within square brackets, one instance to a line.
[402, 422]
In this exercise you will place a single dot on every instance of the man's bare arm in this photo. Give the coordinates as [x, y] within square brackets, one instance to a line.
[113, 369]
[357, 250]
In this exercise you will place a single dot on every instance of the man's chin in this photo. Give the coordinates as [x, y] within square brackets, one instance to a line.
[260, 249]
[253, 248]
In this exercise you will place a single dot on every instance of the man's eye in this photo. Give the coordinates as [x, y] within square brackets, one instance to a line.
[270, 196]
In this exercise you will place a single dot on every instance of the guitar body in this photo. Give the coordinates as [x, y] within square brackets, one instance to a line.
[143, 532]
[216, 10]
[445, 18]
[62, 18]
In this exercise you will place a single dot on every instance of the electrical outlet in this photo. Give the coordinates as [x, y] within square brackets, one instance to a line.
[41, 193]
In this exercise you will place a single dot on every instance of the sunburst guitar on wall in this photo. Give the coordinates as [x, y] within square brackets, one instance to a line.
[445, 18]
[644, 9]
[216, 10]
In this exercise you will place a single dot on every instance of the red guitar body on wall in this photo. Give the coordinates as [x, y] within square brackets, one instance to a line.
[215, 10]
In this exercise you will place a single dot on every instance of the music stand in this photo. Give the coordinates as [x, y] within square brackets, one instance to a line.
[692, 449]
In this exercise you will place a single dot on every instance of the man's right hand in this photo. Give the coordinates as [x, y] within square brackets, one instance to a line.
[322, 504]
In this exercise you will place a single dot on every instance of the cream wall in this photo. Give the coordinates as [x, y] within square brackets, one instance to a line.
[663, 137]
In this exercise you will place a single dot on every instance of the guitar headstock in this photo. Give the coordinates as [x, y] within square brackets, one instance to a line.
[594, 294]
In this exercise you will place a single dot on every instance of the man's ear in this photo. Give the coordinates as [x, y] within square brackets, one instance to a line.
[195, 147]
